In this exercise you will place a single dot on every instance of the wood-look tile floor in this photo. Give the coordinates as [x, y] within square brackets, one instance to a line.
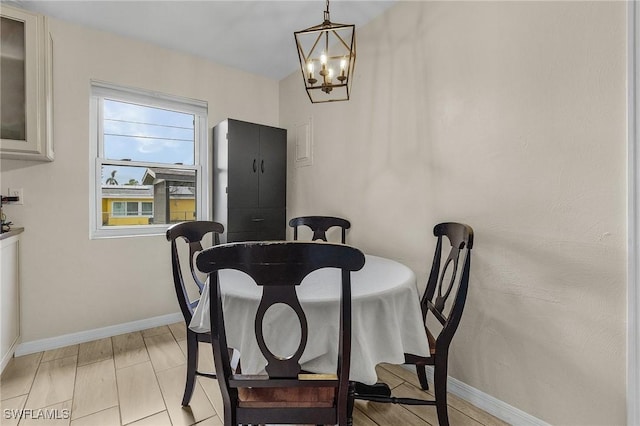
[138, 378]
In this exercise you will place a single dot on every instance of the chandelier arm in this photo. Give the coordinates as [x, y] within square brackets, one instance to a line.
[326, 42]
[315, 44]
[341, 40]
[301, 53]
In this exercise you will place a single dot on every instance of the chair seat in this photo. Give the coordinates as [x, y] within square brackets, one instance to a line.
[286, 397]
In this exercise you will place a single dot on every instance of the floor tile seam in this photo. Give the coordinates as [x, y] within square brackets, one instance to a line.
[144, 345]
[153, 364]
[158, 384]
[366, 415]
[135, 363]
[209, 397]
[448, 402]
[425, 421]
[146, 417]
[33, 379]
[146, 350]
[9, 367]
[156, 334]
[160, 370]
[77, 353]
[36, 374]
[115, 373]
[94, 362]
[164, 400]
[97, 412]
[58, 359]
[396, 375]
[115, 379]
[99, 358]
[176, 337]
[155, 375]
[24, 407]
[466, 415]
[73, 393]
[449, 406]
[15, 396]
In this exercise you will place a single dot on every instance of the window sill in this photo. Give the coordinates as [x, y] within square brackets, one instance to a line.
[128, 231]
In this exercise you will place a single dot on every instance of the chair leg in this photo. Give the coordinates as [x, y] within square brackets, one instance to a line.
[351, 399]
[440, 390]
[422, 377]
[192, 365]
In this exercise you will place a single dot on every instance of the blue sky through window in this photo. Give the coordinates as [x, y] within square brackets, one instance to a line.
[141, 133]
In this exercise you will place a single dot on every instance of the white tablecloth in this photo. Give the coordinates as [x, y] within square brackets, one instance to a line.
[386, 319]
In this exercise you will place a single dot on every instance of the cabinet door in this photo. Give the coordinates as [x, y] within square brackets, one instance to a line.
[273, 167]
[25, 124]
[9, 296]
[243, 164]
[274, 227]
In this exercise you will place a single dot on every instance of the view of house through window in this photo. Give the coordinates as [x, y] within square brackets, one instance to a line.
[154, 195]
[147, 160]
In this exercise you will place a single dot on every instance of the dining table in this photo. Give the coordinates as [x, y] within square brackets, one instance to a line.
[386, 319]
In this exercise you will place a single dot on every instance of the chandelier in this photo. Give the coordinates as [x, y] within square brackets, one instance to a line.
[327, 54]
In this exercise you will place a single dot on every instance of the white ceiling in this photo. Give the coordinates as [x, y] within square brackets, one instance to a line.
[255, 36]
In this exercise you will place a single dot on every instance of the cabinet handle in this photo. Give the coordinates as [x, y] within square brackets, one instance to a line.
[262, 166]
[257, 219]
[254, 165]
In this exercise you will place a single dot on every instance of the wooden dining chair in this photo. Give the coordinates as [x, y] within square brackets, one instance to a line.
[192, 233]
[444, 299]
[285, 394]
[320, 225]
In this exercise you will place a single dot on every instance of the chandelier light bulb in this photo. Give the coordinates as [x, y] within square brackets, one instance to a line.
[311, 79]
[310, 69]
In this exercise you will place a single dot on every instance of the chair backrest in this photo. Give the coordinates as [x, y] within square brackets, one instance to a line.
[192, 233]
[319, 225]
[436, 296]
[278, 267]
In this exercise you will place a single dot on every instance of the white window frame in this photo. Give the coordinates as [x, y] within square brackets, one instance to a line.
[101, 90]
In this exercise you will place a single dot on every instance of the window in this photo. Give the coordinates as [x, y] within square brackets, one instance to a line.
[132, 208]
[146, 208]
[149, 160]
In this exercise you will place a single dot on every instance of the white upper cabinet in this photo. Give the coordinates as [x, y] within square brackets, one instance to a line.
[25, 73]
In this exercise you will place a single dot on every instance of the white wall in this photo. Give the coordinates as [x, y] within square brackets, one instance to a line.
[509, 116]
[70, 283]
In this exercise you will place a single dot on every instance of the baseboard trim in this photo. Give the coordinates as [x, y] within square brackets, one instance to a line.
[97, 333]
[486, 402]
[7, 357]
